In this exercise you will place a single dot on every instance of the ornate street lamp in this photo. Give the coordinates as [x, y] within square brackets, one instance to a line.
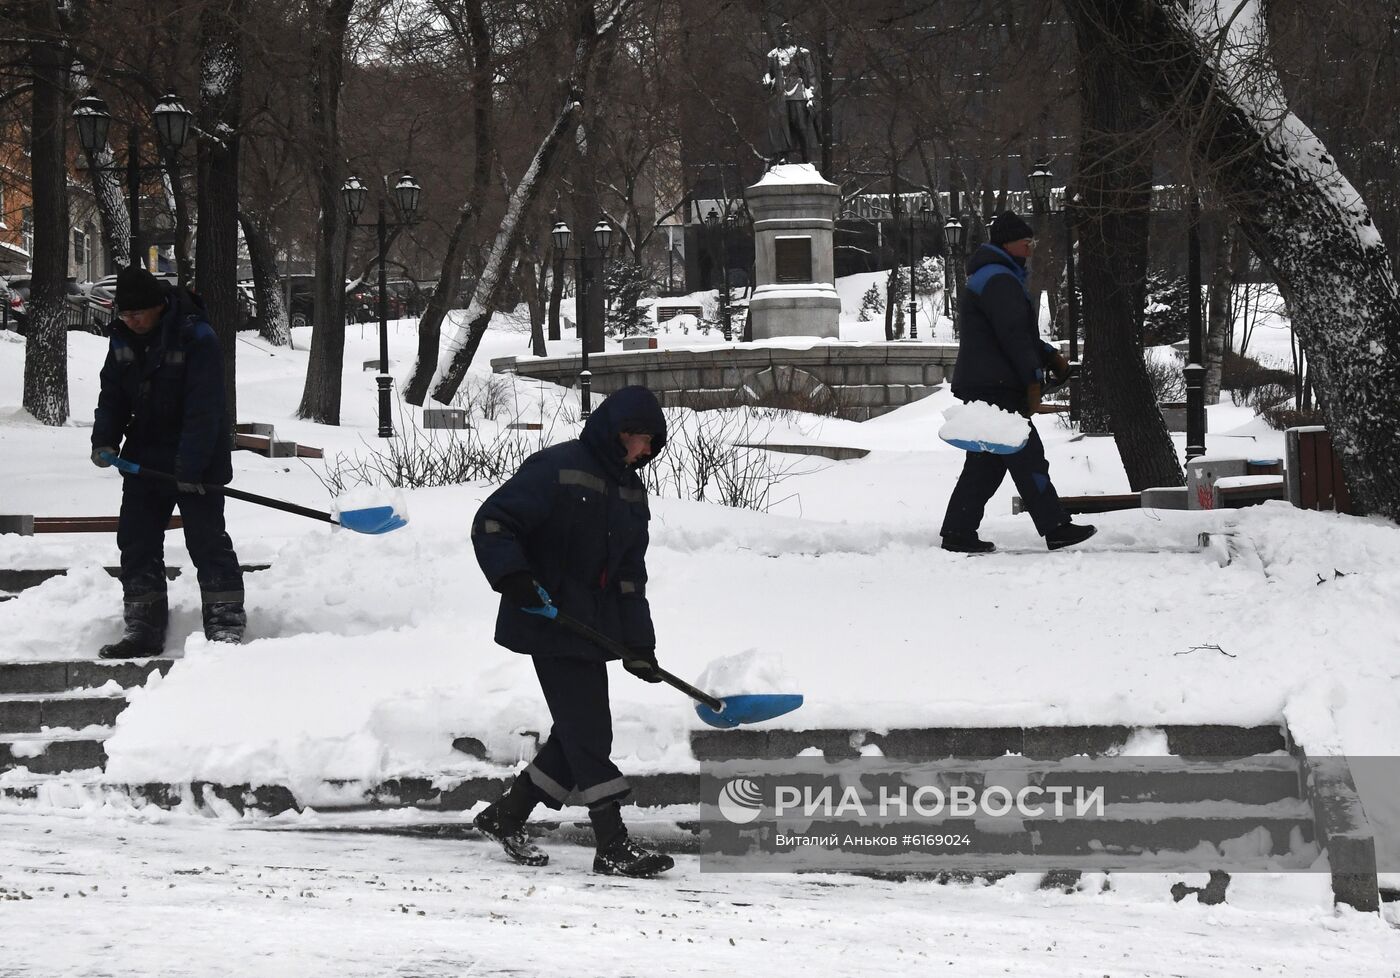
[602, 238]
[406, 193]
[1040, 180]
[94, 123]
[918, 221]
[172, 121]
[953, 244]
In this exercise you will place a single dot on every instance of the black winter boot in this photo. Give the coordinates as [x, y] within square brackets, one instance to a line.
[617, 854]
[224, 621]
[145, 619]
[968, 545]
[1067, 534]
[504, 821]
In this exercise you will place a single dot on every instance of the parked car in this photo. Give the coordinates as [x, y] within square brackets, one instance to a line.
[301, 301]
[248, 306]
[412, 296]
[76, 314]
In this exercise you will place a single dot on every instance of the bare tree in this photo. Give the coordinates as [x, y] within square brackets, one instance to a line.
[46, 352]
[1210, 72]
[320, 399]
[595, 31]
[1113, 188]
[216, 244]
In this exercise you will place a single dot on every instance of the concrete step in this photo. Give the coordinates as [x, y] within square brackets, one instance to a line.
[31, 714]
[56, 676]
[1135, 780]
[54, 752]
[934, 743]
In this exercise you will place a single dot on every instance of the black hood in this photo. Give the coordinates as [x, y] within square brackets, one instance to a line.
[633, 409]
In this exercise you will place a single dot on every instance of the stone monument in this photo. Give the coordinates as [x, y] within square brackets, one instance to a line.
[793, 208]
[794, 217]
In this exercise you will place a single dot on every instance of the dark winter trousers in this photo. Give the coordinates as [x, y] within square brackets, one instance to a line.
[145, 513]
[574, 765]
[981, 477]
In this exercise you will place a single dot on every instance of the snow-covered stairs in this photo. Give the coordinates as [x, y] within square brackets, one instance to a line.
[1240, 789]
[55, 715]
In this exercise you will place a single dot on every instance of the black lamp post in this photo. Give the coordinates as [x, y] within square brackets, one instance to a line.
[918, 220]
[602, 237]
[953, 238]
[1195, 371]
[1040, 180]
[93, 122]
[406, 193]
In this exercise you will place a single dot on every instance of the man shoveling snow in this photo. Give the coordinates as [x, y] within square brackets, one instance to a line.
[570, 529]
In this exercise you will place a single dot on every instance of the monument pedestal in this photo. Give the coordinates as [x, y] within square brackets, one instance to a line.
[794, 218]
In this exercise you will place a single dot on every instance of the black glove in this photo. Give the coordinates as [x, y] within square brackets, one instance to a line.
[642, 664]
[97, 454]
[192, 487]
[521, 590]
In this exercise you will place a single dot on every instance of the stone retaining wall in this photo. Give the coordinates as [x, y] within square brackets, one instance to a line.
[851, 380]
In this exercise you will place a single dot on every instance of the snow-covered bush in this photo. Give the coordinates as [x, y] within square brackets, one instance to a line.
[707, 457]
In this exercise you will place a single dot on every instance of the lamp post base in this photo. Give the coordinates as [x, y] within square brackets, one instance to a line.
[585, 383]
[386, 421]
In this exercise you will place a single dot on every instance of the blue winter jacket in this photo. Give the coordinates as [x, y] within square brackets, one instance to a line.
[1000, 352]
[162, 398]
[575, 517]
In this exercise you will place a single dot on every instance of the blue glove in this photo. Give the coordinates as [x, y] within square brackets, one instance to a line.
[521, 590]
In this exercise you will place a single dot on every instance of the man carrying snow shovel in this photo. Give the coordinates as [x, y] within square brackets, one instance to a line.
[162, 402]
[570, 528]
[1002, 361]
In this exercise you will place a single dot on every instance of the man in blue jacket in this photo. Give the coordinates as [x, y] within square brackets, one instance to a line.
[162, 404]
[570, 527]
[1003, 361]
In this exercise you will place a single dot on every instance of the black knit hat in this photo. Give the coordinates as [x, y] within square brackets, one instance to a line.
[138, 289]
[1008, 226]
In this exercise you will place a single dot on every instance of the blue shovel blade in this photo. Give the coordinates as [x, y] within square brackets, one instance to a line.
[375, 519]
[749, 708]
[969, 445]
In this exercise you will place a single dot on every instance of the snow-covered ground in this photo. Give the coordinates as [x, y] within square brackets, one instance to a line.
[366, 655]
[189, 898]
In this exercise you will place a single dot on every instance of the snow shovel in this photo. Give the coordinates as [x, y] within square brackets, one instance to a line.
[724, 713]
[373, 519]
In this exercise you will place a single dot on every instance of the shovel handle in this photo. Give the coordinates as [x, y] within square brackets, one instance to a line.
[128, 467]
[616, 648]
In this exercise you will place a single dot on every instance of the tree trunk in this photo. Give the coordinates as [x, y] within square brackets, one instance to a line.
[430, 323]
[273, 323]
[1114, 186]
[184, 268]
[113, 220]
[216, 242]
[320, 399]
[452, 367]
[1220, 309]
[484, 141]
[529, 285]
[1301, 217]
[46, 347]
[556, 290]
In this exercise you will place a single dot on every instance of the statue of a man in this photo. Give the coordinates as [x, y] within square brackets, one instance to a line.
[791, 81]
